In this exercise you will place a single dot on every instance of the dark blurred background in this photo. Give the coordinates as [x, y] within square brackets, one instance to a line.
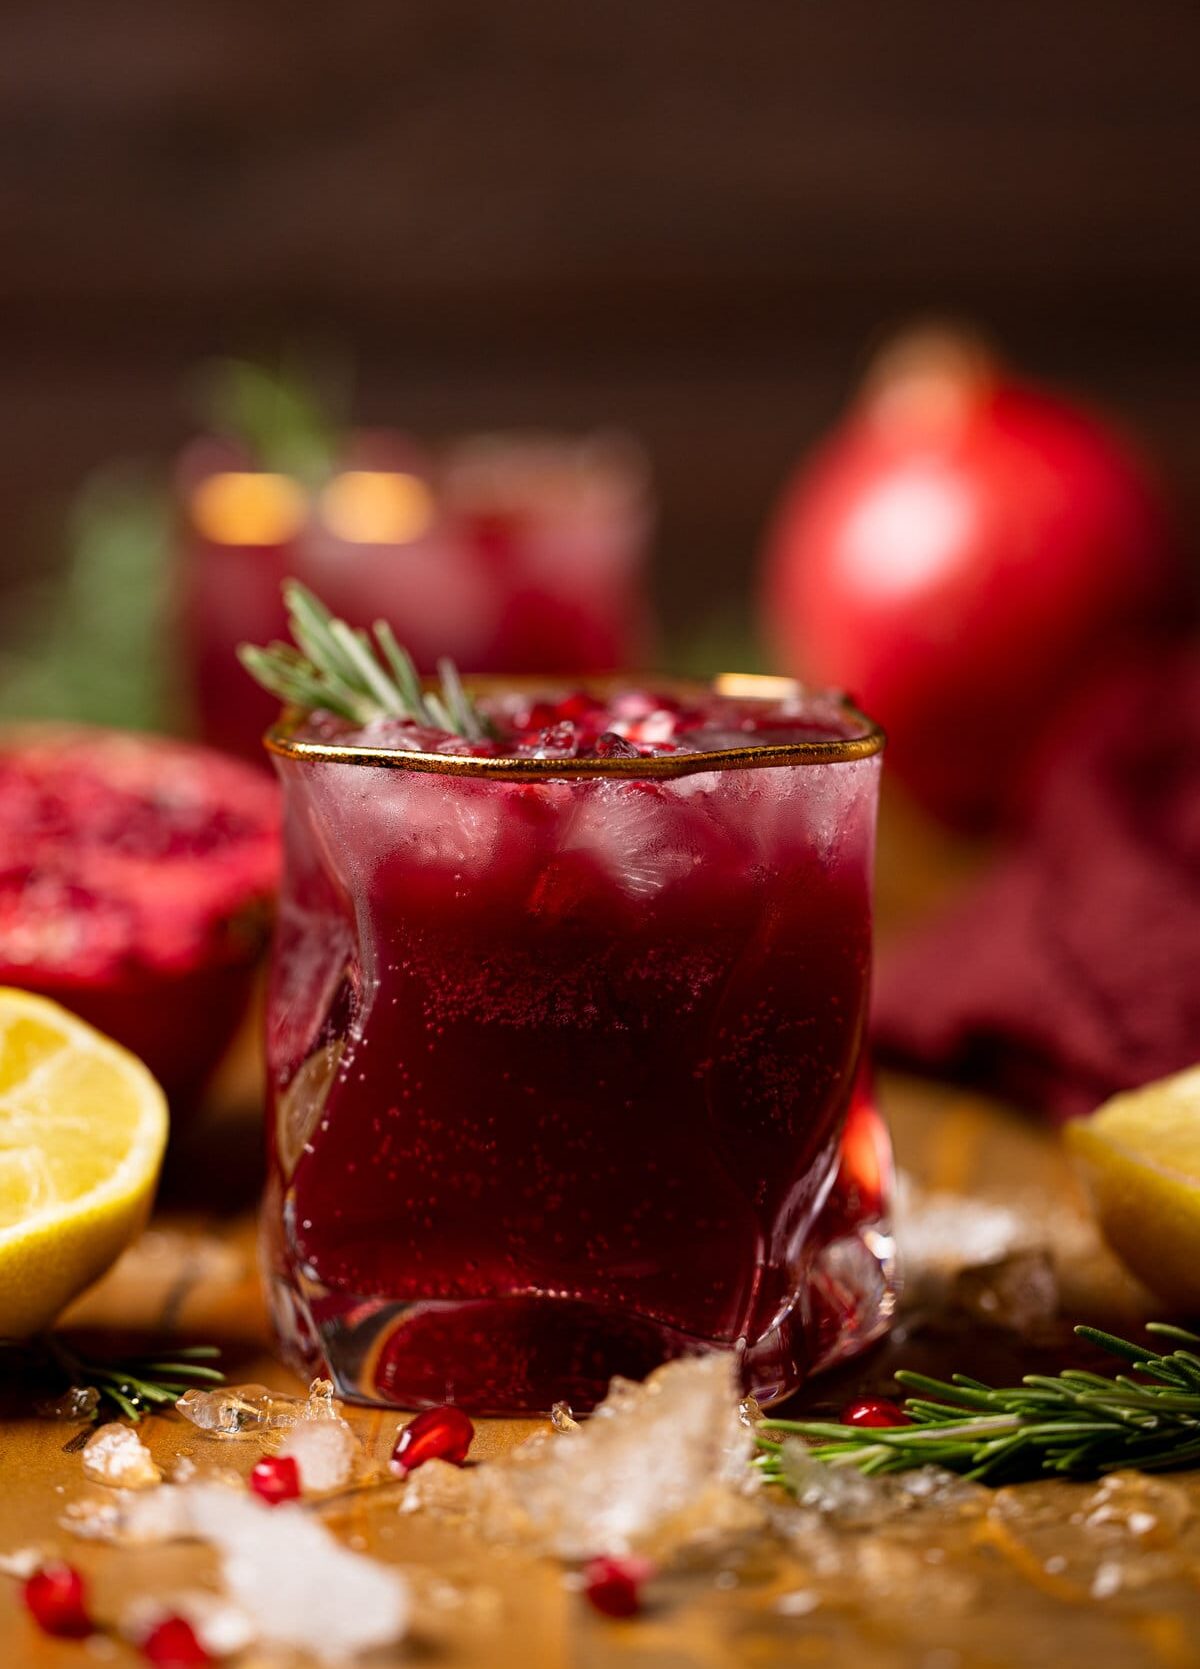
[691, 221]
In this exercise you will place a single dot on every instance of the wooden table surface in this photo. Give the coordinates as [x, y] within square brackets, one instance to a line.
[993, 1586]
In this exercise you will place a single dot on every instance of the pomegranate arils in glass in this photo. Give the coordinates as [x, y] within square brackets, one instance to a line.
[576, 706]
[661, 725]
[276, 1478]
[875, 1411]
[539, 716]
[437, 1434]
[172, 1644]
[558, 741]
[639, 704]
[56, 1595]
[614, 1586]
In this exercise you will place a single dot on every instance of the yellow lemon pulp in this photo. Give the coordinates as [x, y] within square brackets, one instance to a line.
[1140, 1158]
[83, 1126]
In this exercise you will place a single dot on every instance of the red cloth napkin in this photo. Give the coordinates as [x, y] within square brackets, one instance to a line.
[1073, 970]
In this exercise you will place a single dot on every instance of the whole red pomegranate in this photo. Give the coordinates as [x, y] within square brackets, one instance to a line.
[960, 553]
[136, 881]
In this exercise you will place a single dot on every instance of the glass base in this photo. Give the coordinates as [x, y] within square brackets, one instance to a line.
[519, 1355]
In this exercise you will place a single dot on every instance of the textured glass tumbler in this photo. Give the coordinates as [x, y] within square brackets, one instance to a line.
[566, 1068]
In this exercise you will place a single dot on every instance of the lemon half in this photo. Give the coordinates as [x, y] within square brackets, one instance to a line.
[83, 1126]
[1140, 1158]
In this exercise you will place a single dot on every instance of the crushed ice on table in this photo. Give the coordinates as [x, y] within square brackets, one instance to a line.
[1128, 1533]
[238, 1410]
[1018, 1292]
[246, 1410]
[320, 1403]
[1151, 1511]
[849, 1498]
[880, 1536]
[284, 1572]
[130, 1519]
[297, 1583]
[116, 1455]
[325, 1450]
[21, 1562]
[562, 1419]
[78, 1402]
[658, 1465]
[939, 1234]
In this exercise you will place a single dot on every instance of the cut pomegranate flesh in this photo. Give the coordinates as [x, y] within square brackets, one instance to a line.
[614, 1586]
[276, 1478]
[437, 1434]
[56, 1596]
[136, 879]
[875, 1411]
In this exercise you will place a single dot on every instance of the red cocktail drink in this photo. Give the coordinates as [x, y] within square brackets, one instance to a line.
[508, 553]
[565, 1028]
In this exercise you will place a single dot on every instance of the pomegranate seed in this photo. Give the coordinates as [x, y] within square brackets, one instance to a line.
[575, 706]
[276, 1478]
[558, 738]
[539, 716]
[875, 1411]
[57, 1597]
[614, 1586]
[172, 1644]
[438, 1434]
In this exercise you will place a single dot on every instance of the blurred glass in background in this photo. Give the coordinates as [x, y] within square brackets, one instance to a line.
[507, 552]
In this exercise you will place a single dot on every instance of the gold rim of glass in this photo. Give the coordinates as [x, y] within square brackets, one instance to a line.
[282, 740]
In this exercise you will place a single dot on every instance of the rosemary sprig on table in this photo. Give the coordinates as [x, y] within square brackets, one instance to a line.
[344, 671]
[1074, 1424]
[131, 1385]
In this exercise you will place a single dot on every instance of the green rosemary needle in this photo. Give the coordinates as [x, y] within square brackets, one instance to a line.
[130, 1385]
[332, 666]
[1074, 1424]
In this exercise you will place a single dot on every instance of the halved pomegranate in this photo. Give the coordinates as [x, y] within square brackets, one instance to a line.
[136, 880]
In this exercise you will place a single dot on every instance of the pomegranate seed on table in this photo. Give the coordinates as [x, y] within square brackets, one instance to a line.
[172, 1644]
[614, 1586]
[56, 1596]
[437, 1434]
[276, 1478]
[875, 1411]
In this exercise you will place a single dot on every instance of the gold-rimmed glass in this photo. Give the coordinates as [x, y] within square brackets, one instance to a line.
[563, 1053]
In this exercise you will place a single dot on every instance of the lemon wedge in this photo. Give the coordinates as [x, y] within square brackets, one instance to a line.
[83, 1126]
[1140, 1158]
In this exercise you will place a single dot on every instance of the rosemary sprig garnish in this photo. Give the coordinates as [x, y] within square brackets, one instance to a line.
[130, 1385]
[1074, 1424]
[333, 667]
[290, 417]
